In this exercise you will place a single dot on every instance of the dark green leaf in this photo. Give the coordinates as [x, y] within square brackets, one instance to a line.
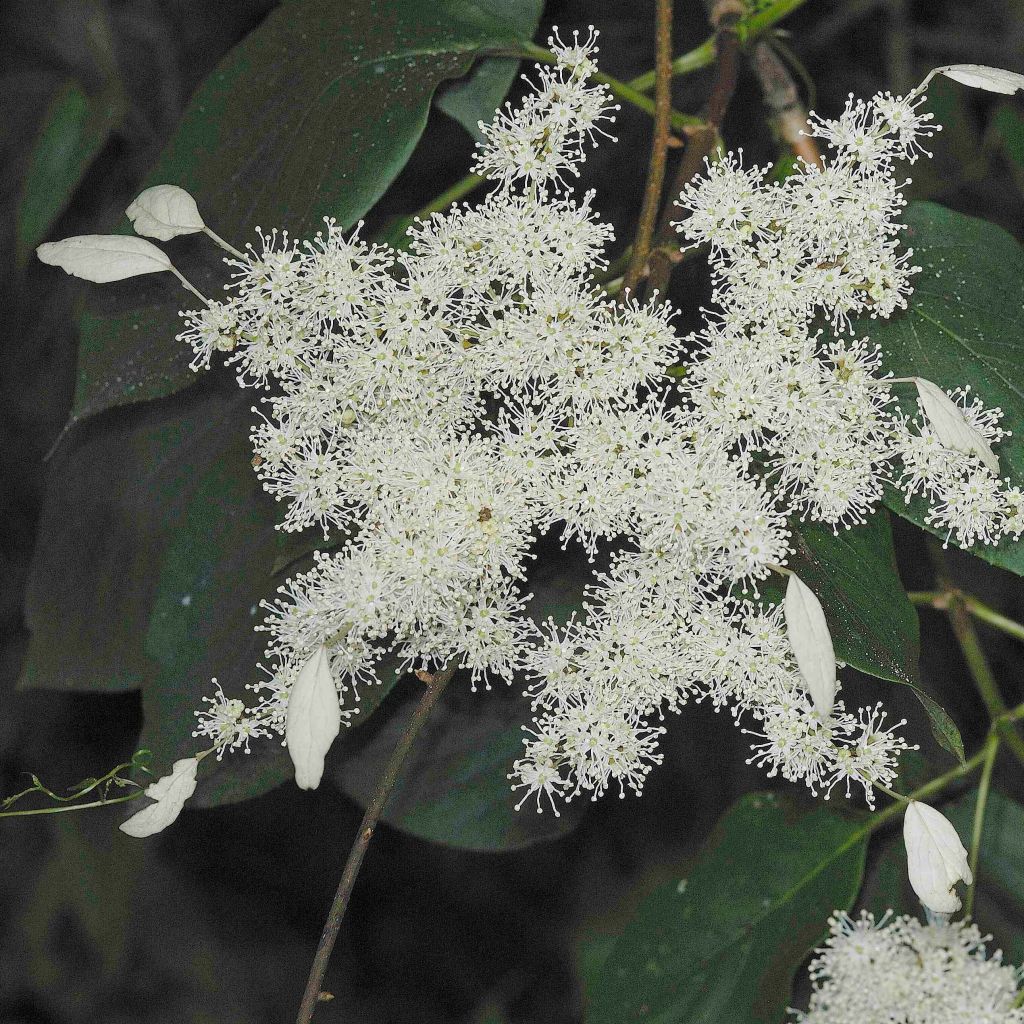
[963, 327]
[724, 944]
[1009, 127]
[75, 128]
[476, 97]
[313, 114]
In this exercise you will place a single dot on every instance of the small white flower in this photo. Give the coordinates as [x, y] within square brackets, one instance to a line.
[313, 719]
[169, 794]
[936, 859]
[811, 641]
[104, 258]
[164, 212]
[950, 425]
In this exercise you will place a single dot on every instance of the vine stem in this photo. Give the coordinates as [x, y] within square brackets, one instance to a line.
[659, 146]
[991, 750]
[940, 599]
[435, 685]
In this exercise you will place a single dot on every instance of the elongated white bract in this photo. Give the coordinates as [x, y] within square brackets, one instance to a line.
[951, 425]
[104, 258]
[313, 719]
[980, 76]
[811, 641]
[936, 858]
[169, 795]
[165, 212]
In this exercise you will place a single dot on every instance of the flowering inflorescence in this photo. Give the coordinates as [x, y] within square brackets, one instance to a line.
[899, 971]
[443, 407]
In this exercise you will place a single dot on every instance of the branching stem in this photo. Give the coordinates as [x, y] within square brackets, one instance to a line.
[659, 147]
[435, 685]
[991, 750]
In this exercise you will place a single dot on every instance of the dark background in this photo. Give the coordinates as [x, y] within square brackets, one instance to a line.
[218, 919]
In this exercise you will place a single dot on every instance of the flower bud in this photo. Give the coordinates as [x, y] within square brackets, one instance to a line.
[936, 859]
[812, 643]
[313, 719]
[170, 794]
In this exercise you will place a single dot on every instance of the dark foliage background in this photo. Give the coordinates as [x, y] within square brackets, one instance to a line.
[218, 919]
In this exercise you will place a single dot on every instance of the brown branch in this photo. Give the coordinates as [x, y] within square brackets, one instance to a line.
[659, 146]
[782, 98]
[435, 685]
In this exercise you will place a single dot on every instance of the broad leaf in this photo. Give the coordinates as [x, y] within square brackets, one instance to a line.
[476, 97]
[725, 943]
[74, 129]
[313, 114]
[874, 626]
[963, 326]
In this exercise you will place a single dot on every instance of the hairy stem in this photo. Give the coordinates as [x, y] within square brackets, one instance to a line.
[991, 750]
[659, 147]
[435, 686]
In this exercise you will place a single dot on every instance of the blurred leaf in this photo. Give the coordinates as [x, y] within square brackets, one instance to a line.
[313, 114]
[963, 326]
[476, 97]
[1009, 128]
[725, 943]
[74, 129]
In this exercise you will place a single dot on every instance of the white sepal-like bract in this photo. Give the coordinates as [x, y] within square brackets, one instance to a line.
[951, 426]
[980, 76]
[313, 719]
[164, 212]
[811, 641]
[104, 258]
[169, 795]
[936, 858]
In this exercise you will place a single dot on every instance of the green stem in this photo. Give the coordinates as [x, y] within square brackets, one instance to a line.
[940, 599]
[395, 234]
[991, 750]
[704, 55]
[70, 807]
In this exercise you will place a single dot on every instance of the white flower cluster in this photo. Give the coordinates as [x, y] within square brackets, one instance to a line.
[823, 244]
[443, 408]
[900, 971]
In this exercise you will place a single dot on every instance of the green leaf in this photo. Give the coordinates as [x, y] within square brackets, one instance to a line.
[1009, 128]
[74, 129]
[725, 943]
[313, 114]
[853, 573]
[963, 326]
[476, 97]
[873, 624]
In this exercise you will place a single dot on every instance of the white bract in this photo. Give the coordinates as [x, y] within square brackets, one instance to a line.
[979, 76]
[950, 425]
[104, 258]
[444, 407]
[313, 718]
[164, 212]
[169, 795]
[811, 641]
[899, 971]
[936, 859]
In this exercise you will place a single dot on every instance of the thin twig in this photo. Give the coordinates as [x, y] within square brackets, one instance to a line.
[984, 785]
[782, 98]
[434, 688]
[659, 146]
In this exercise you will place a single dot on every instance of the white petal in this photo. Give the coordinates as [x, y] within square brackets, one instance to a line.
[170, 794]
[164, 212]
[951, 427]
[979, 76]
[936, 859]
[103, 258]
[313, 719]
[812, 643]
